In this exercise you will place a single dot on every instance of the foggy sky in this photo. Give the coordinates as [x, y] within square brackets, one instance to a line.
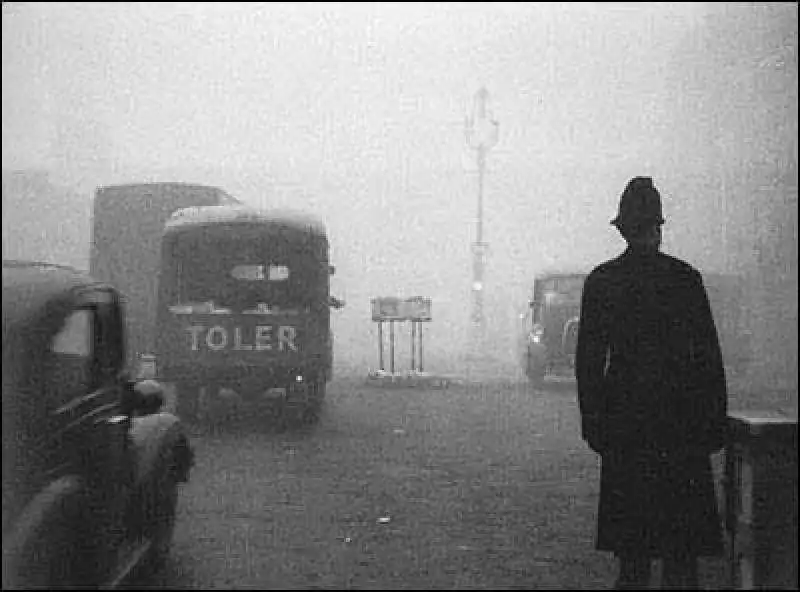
[356, 111]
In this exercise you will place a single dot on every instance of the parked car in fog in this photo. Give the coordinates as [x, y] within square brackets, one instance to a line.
[91, 465]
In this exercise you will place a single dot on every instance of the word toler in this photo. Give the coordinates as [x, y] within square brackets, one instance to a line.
[265, 338]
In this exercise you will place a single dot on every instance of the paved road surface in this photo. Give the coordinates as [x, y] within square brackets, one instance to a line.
[465, 488]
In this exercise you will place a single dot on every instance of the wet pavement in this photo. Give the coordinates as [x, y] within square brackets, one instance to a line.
[468, 487]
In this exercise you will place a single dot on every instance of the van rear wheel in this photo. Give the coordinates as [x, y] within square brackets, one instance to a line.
[191, 402]
[536, 374]
[317, 398]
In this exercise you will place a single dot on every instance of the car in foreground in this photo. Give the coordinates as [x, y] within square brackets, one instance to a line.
[92, 465]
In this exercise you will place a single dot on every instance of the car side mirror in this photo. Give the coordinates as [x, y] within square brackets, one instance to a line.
[151, 396]
[144, 397]
[125, 377]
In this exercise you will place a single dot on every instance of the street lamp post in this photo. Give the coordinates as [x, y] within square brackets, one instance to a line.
[482, 133]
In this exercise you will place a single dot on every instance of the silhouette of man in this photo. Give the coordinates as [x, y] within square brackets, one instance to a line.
[653, 401]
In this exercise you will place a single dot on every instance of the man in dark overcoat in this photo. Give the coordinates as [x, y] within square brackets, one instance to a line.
[653, 400]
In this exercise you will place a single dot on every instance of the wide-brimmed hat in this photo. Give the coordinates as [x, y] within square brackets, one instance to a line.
[639, 204]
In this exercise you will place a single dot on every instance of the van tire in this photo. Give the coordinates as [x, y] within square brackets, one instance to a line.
[536, 375]
[316, 400]
[191, 403]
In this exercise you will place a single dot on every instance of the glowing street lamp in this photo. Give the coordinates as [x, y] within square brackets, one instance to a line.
[482, 133]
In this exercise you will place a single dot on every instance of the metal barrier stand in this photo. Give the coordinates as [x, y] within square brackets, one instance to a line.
[417, 311]
[760, 493]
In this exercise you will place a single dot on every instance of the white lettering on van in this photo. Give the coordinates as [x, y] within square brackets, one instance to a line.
[217, 344]
[286, 337]
[263, 337]
[195, 330]
[217, 338]
[237, 340]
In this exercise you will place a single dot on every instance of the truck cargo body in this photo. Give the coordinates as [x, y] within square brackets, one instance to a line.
[127, 226]
[244, 299]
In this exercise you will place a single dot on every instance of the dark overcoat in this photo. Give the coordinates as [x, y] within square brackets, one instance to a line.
[653, 403]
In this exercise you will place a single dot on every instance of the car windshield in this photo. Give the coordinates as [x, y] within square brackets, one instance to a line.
[565, 285]
[242, 277]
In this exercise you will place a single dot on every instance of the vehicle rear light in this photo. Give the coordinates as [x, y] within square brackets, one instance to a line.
[536, 334]
[147, 367]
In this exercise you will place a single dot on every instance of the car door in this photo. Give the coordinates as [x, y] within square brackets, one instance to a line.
[91, 432]
[84, 373]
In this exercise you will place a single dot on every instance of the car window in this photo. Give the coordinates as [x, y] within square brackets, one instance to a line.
[75, 337]
[70, 371]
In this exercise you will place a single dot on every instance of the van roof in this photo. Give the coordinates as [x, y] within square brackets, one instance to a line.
[127, 187]
[186, 218]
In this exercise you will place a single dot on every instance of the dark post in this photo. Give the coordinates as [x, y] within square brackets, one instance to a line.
[413, 345]
[420, 348]
[380, 344]
[391, 346]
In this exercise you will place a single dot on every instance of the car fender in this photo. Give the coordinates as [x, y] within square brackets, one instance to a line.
[536, 361]
[536, 353]
[154, 438]
[58, 497]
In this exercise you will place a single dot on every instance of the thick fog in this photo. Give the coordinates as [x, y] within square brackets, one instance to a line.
[356, 112]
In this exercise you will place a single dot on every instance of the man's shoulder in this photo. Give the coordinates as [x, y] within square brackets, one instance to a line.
[602, 276]
[622, 267]
[678, 267]
[605, 269]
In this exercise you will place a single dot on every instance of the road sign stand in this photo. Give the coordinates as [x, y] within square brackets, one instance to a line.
[416, 346]
[392, 311]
